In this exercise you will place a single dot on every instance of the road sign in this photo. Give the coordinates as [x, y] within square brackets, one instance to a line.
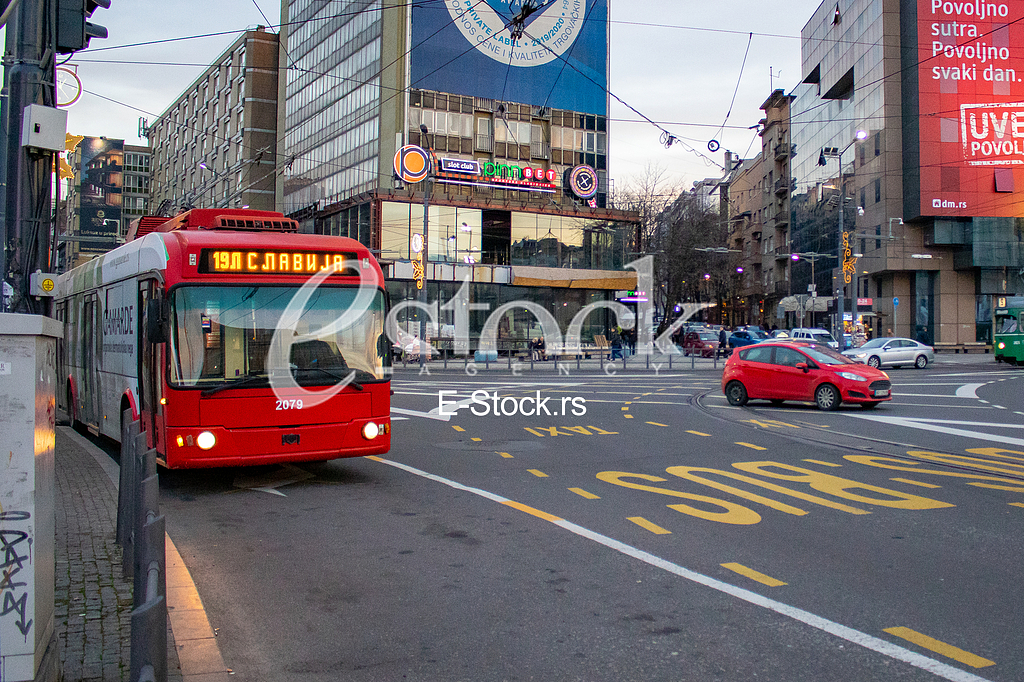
[895, 301]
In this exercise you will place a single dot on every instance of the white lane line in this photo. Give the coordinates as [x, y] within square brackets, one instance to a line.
[933, 425]
[424, 415]
[968, 391]
[863, 639]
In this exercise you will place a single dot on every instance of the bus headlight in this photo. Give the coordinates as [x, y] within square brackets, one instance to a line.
[206, 440]
[370, 431]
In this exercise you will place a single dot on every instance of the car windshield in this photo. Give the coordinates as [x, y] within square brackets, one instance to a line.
[826, 356]
[874, 343]
[823, 337]
[760, 335]
[222, 334]
[708, 336]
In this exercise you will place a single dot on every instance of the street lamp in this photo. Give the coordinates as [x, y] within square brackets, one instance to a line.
[842, 248]
[427, 186]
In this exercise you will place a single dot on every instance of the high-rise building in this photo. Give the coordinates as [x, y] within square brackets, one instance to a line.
[905, 120]
[515, 127]
[216, 145]
[109, 188]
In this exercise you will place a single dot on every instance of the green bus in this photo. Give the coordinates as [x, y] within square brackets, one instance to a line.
[1008, 330]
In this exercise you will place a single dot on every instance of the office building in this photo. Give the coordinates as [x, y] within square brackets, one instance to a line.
[904, 120]
[518, 200]
[216, 145]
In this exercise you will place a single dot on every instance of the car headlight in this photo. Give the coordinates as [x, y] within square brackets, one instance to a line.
[858, 355]
[851, 376]
[206, 440]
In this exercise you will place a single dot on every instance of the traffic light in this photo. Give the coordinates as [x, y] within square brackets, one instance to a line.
[73, 31]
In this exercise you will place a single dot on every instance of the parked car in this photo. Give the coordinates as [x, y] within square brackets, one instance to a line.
[803, 371]
[815, 335]
[703, 343]
[888, 351]
[779, 334]
[743, 337]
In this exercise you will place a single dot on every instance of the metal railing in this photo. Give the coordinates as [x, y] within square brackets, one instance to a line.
[140, 532]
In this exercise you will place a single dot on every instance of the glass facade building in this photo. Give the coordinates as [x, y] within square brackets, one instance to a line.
[861, 120]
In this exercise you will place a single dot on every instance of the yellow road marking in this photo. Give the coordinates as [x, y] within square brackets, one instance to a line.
[751, 446]
[1016, 504]
[505, 454]
[947, 650]
[820, 426]
[476, 439]
[647, 525]
[824, 464]
[628, 402]
[458, 428]
[753, 575]
[907, 480]
[628, 416]
[699, 433]
[625, 409]
[656, 424]
[538, 472]
[530, 510]
[583, 493]
[375, 458]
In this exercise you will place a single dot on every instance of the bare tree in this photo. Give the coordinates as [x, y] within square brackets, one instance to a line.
[648, 193]
[685, 225]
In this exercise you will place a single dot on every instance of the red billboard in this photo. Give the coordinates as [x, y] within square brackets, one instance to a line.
[971, 107]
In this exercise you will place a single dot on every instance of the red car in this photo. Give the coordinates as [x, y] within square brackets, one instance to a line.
[795, 370]
[700, 343]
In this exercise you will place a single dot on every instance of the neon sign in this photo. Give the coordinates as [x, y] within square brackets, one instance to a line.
[496, 174]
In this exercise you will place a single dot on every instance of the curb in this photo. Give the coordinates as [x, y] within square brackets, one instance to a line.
[195, 643]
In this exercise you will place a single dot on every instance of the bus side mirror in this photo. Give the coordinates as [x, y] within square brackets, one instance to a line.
[156, 321]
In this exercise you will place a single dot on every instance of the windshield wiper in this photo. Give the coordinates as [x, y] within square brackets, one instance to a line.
[354, 384]
[237, 383]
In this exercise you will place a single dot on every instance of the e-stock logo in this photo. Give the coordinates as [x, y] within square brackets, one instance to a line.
[549, 33]
[285, 334]
[484, 403]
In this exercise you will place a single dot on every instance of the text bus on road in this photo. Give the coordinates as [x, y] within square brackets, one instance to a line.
[175, 326]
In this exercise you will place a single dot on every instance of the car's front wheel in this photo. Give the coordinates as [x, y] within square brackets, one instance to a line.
[736, 393]
[921, 362]
[873, 361]
[827, 397]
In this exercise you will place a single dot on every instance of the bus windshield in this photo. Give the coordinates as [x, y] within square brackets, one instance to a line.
[1006, 324]
[221, 334]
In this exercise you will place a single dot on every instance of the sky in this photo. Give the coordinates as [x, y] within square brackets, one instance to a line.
[677, 62]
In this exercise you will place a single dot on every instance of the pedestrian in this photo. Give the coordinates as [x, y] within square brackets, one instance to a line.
[616, 343]
[888, 332]
[723, 342]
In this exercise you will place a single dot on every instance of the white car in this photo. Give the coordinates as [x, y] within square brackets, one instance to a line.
[814, 335]
[887, 351]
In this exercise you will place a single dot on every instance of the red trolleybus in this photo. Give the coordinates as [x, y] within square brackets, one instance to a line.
[176, 326]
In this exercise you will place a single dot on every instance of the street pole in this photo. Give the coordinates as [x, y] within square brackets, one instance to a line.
[840, 300]
[427, 186]
[28, 79]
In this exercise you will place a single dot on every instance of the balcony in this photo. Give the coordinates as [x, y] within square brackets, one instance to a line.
[781, 218]
[782, 252]
[784, 151]
[781, 186]
[781, 289]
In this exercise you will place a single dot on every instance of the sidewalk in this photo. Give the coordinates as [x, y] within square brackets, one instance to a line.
[92, 602]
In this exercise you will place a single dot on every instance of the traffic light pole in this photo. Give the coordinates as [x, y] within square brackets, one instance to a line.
[29, 69]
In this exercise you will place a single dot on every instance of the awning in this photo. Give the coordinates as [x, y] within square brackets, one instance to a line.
[572, 278]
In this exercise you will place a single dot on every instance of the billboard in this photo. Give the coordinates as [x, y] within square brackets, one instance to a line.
[970, 71]
[99, 209]
[561, 61]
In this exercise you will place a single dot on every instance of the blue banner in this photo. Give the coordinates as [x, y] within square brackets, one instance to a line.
[561, 61]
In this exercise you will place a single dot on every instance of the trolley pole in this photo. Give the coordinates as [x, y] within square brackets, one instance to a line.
[427, 187]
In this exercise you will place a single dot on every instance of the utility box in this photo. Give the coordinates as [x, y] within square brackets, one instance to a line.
[28, 381]
[44, 128]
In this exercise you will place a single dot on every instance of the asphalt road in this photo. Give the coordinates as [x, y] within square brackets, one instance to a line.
[660, 535]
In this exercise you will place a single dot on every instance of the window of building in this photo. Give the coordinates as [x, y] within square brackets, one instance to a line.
[878, 190]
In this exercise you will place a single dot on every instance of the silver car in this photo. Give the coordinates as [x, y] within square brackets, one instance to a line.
[887, 351]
